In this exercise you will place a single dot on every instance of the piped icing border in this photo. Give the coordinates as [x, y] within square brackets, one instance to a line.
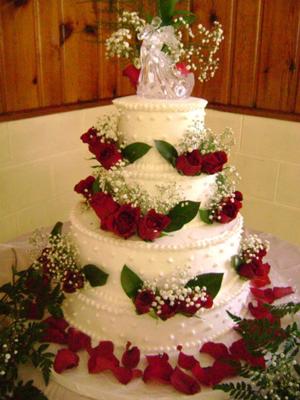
[141, 104]
[195, 244]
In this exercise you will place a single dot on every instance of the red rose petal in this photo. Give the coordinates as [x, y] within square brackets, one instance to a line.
[78, 340]
[186, 361]
[65, 359]
[260, 281]
[52, 335]
[104, 348]
[183, 382]
[203, 375]
[124, 375]
[260, 312]
[266, 295]
[223, 369]
[280, 292]
[98, 363]
[131, 356]
[58, 323]
[239, 351]
[215, 350]
[158, 369]
[133, 73]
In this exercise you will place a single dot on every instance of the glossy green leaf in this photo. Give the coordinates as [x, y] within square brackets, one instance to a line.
[96, 186]
[166, 10]
[236, 261]
[130, 282]
[212, 282]
[57, 230]
[167, 151]
[94, 275]
[181, 214]
[134, 151]
[204, 216]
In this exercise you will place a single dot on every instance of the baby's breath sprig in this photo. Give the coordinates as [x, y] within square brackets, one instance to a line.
[107, 127]
[252, 246]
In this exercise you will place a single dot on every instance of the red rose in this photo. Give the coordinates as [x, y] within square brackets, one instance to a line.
[106, 153]
[238, 196]
[256, 268]
[213, 162]
[143, 301]
[167, 311]
[182, 67]
[189, 164]
[152, 224]
[131, 356]
[73, 280]
[65, 359]
[132, 73]
[85, 186]
[78, 340]
[124, 221]
[229, 210]
[34, 310]
[90, 136]
[103, 205]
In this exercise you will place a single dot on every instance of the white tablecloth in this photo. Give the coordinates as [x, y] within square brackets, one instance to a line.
[283, 257]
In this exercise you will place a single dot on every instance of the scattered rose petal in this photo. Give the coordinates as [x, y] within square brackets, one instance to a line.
[184, 383]
[215, 350]
[239, 351]
[131, 356]
[158, 369]
[78, 340]
[280, 292]
[65, 359]
[260, 312]
[186, 361]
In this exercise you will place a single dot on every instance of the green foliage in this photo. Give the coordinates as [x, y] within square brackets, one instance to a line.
[94, 275]
[212, 282]
[282, 310]
[27, 391]
[240, 390]
[181, 214]
[130, 282]
[236, 261]
[96, 185]
[204, 216]
[57, 230]
[134, 151]
[167, 151]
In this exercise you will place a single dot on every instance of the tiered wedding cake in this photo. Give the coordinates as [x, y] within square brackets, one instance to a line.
[197, 249]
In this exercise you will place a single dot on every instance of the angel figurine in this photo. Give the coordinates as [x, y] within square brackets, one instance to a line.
[159, 77]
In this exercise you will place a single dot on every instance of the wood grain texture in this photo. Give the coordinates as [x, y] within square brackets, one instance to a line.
[79, 46]
[217, 90]
[247, 35]
[278, 55]
[20, 58]
[2, 71]
[49, 57]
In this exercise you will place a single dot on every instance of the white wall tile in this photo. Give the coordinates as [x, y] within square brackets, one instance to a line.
[8, 228]
[271, 138]
[288, 190]
[5, 153]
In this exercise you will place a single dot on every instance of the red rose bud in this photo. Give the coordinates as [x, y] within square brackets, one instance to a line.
[184, 383]
[65, 359]
[238, 195]
[84, 187]
[182, 67]
[78, 340]
[213, 162]
[131, 356]
[143, 301]
[103, 205]
[72, 281]
[152, 224]
[132, 73]
[158, 369]
[90, 136]
[124, 221]
[107, 154]
[189, 164]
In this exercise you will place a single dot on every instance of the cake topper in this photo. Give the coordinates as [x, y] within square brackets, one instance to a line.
[165, 51]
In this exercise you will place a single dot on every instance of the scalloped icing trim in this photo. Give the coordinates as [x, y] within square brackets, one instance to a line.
[195, 244]
[141, 104]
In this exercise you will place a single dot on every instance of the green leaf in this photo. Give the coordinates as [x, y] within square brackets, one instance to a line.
[297, 368]
[134, 151]
[7, 288]
[166, 10]
[236, 261]
[130, 282]
[167, 151]
[153, 314]
[96, 186]
[204, 216]
[95, 275]
[55, 310]
[211, 281]
[4, 308]
[181, 214]
[57, 229]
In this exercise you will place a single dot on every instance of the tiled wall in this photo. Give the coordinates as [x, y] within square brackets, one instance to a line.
[41, 158]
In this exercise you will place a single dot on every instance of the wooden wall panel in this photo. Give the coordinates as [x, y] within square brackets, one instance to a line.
[297, 102]
[80, 51]
[217, 90]
[2, 70]
[278, 55]
[247, 36]
[107, 81]
[20, 58]
[47, 24]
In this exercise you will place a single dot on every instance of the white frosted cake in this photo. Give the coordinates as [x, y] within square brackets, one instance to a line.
[198, 248]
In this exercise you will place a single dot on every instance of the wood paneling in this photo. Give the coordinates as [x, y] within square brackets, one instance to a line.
[247, 36]
[52, 54]
[47, 27]
[20, 57]
[278, 55]
[217, 90]
[80, 51]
